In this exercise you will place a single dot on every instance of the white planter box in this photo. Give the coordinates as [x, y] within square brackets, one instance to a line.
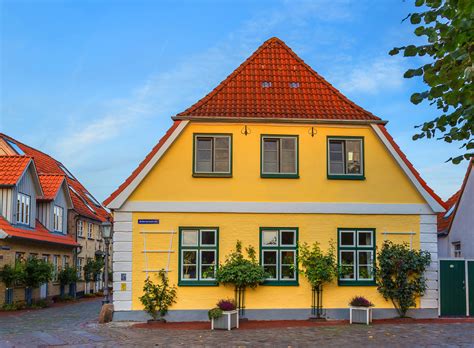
[228, 321]
[360, 315]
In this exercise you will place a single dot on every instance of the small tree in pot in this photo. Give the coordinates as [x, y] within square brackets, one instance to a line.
[158, 297]
[241, 272]
[34, 272]
[319, 268]
[9, 275]
[68, 276]
[400, 275]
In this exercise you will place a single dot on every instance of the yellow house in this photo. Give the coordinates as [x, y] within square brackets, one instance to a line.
[273, 156]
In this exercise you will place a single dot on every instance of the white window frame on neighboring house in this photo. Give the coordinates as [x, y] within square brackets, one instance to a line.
[58, 213]
[55, 267]
[80, 228]
[65, 261]
[79, 267]
[23, 209]
[89, 230]
[456, 249]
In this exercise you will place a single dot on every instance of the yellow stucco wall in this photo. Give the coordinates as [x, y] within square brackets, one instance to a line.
[245, 227]
[172, 179]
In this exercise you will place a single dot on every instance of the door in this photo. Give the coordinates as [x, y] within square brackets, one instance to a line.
[453, 287]
[470, 277]
[44, 287]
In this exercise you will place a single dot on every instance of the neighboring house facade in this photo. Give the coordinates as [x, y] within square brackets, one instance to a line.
[33, 220]
[456, 225]
[274, 156]
[82, 219]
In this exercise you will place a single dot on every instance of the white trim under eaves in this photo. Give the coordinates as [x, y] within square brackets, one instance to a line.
[118, 201]
[277, 208]
[435, 206]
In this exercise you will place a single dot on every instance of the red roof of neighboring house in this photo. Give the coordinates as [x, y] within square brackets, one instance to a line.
[45, 164]
[275, 83]
[50, 184]
[12, 168]
[40, 233]
[411, 167]
[446, 219]
[142, 164]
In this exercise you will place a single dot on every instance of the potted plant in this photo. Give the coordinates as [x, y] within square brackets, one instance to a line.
[9, 275]
[68, 276]
[225, 316]
[360, 310]
[158, 297]
[318, 268]
[34, 273]
[241, 272]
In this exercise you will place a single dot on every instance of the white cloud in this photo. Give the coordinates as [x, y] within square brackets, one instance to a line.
[370, 76]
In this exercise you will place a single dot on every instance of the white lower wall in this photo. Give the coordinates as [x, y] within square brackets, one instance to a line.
[122, 261]
[429, 242]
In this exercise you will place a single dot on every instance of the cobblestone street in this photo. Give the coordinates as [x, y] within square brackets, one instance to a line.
[76, 325]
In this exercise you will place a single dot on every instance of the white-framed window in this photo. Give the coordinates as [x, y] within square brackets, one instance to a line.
[279, 156]
[89, 230]
[198, 255]
[80, 228]
[23, 210]
[80, 262]
[55, 267]
[356, 256]
[65, 261]
[278, 248]
[58, 213]
[212, 154]
[456, 248]
[345, 157]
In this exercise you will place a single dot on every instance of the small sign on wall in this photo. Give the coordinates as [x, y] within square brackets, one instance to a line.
[123, 286]
[123, 277]
[148, 221]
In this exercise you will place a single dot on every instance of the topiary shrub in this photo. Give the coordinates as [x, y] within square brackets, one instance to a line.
[158, 297]
[400, 275]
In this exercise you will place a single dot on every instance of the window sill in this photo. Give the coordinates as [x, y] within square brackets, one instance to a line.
[197, 283]
[90, 238]
[346, 177]
[281, 283]
[280, 176]
[82, 237]
[356, 283]
[212, 175]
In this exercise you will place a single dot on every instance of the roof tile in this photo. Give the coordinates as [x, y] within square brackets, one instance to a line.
[12, 168]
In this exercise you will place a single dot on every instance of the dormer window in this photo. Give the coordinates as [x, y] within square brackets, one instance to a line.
[266, 84]
[23, 209]
[294, 84]
[58, 219]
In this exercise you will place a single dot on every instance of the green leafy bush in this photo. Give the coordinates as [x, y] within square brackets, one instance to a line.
[158, 297]
[318, 267]
[34, 272]
[9, 274]
[92, 269]
[68, 275]
[240, 271]
[215, 313]
[400, 275]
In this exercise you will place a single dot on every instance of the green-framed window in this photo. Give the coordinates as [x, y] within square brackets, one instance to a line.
[345, 158]
[212, 155]
[198, 255]
[356, 256]
[279, 156]
[278, 254]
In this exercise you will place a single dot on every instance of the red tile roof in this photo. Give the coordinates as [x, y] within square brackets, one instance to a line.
[411, 167]
[142, 164]
[40, 233]
[45, 164]
[50, 184]
[12, 168]
[445, 222]
[294, 91]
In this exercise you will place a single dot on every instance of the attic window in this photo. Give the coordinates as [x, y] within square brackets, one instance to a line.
[450, 211]
[266, 84]
[82, 199]
[14, 146]
[92, 199]
[68, 173]
[294, 84]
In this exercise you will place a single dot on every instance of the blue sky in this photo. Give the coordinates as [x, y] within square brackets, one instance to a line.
[94, 83]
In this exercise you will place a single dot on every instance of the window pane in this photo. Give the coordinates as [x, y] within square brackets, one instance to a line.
[287, 257]
[269, 238]
[222, 154]
[269, 257]
[189, 257]
[336, 168]
[347, 238]
[365, 272]
[208, 272]
[189, 272]
[288, 155]
[347, 257]
[270, 155]
[336, 157]
[365, 258]
[288, 238]
[364, 238]
[204, 154]
[353, 156]
[208, 257]
[347, 272]
[271, 270]
[190, 237]
[208, 238]
[287, 272]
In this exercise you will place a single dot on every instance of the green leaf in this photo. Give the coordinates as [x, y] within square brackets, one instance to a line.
[394, 51]
[415, 18]
[416, 98]
[410, 51]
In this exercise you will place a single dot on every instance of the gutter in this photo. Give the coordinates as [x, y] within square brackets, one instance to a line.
[276, 120]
